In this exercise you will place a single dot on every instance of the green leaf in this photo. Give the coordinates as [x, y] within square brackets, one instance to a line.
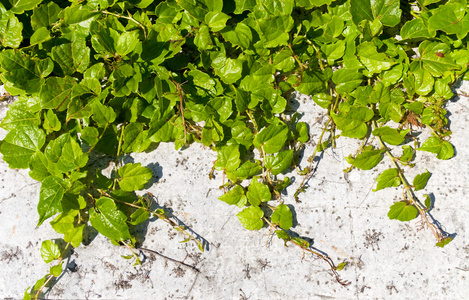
[51, 122]
[56, 92]
[41, 167]
[64, 222]
[200, 8]
[53, 150]
[133, 177]
[56, 270]
[251, 218]
[312, 82]
[96, 71]
[90, 135]
[386, 11]
[10, 29]
[390, 135]
[434, 63]
[49, 251]
[234, 196]
[204, 84]
[373, 61]
[38, 285]
[323, 100]
[280, 162]
[103, 39]
[127, 42]
[242, 5]
[228, 158]
[428, 201]
[19, 145]
[416, 107]
[229, 70]
[282, 235]
[45, 15]
[167, 13]
[391, 111]
[78, 14]
[300, 242]
[39, 36]
[420, 181]
[407, 154]
[109, 141]
[50, 197]
[102, 115]
[125, 80]
[161, 115]
[258, 192]
[367, 159]
[222, 106]
[203, 39]
[71, 156]
[352, 123]
[241, 134]
[75, 235]
[282, 216]
[302, 132]
[280, 185]
[450, 19]
[135, 139]
[427, 2]
[389, 178]
[443, 149]
[246, 170]
[72, 57]
[216, 20]
[272, 138]
[275, 30]
[20, 114]
[139, 216]
[444, 242]
[108, 220]
[341, 266]
[415, 28]
[424, 82]
[346, 80]
[19, 6]
[241, 35]
[24, 72]
[334, 51]
[402, 211]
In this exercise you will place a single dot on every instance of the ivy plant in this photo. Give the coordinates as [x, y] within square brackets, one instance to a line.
[102, 79]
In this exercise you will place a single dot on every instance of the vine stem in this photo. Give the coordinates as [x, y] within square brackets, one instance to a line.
[128, 18]
[311, 158]
[319, 57]
[322, 256]
[160, 216]
[116, 162]
[408, 190]
[181, 108]
[170, 259]
[296, 58]
[36, 296]
[253, 121]
[99, 138]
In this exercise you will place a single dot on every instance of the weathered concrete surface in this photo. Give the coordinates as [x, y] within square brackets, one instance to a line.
[387, 259]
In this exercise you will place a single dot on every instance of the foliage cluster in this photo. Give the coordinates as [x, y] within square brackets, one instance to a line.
[107, 78]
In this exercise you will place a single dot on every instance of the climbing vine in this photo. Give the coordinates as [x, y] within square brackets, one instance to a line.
[107, 78]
